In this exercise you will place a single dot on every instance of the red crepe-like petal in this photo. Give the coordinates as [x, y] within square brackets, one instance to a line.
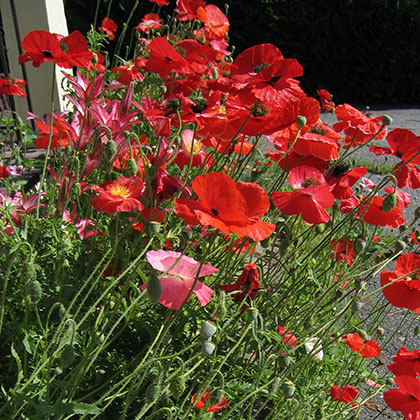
[257, 201]
[366, 349]
[398, 293]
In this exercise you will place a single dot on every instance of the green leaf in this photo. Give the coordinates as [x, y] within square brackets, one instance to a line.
[19, 365]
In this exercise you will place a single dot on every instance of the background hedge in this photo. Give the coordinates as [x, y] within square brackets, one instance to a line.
[362, 51]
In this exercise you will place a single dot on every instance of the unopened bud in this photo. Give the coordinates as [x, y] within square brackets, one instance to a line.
[154, 289]
[359, 245]
[207, 348]
[110, 149]
[177, 385]
[390, 201]
[356, 306]
[132, 167]
[300, 121]
[417, 330]
[35, 291]
[400, 246]
[288, 389]
[207, 330]
[417, 213]
[364, 335]
[284, 361]
[386, 119]
[253, 314]
[67, 356]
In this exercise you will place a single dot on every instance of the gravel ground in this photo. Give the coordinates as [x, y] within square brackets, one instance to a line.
[399, 323]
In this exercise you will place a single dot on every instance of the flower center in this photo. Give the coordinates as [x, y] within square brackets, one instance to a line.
[258, 110]
[119, 190]
[214, 211]
[317, 129]
[47, 54]
[261, 67]
[310, 182]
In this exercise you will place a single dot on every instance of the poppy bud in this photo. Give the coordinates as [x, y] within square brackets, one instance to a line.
[288, 389]
[386, 119]
[177, 385]
[67, 356]
[356, 306]
[77, 189]
[95, 58]
[417, 213]
[207, 348]
[253, 314]
[359, 245]
[153, 391]
[300, 121]
[417, 330]
[207, 330]
[390, 381]
[320, 227]
[35, 291]
[68, 149]
[132, 167]
[154, 289]
[359, 284]
[154, 228]
[364, 335]
[275, 387]
[390, 201]
[110, 149]
[58, 371]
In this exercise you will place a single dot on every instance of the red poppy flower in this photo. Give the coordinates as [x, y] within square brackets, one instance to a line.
[345, 393]
[358, 127]
[247, 284]
[366, 349]
[404, 145]
[326, 99]
[187, 9]
[62, 133]
[150, 21]
[67, 52]
[288, 338]
[341, 180]
[201, 402]
[4, 171]
[404, 292]
[405, 363]
[123, 194]
[310, 199]
[160, 2]
[12, 87]
[343, 250]
[130, 71]
[215, 21]
[407, 174]
[164, 58]
[109, 27]
[232, 207]
[406, 398]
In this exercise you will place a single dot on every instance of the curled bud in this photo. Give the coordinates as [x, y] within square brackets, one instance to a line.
[177, 385]
[390, 201]
[110, 149]
[359, 245]
[67, 356]
[132, 167]
[35, 291]
[386, 119]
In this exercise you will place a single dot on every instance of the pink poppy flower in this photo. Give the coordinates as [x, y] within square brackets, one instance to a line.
[180, 273]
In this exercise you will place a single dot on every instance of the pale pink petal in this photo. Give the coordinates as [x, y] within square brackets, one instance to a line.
[203, 293]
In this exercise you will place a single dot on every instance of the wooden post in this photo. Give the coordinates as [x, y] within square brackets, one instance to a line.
[30, 15]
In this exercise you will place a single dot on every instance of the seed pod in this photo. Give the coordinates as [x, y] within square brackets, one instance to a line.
[154, 289]
[35, 291]
[207, 330]
[288, 389]
[67, 356]
[207, 348]
[177, 385]
[390, 201]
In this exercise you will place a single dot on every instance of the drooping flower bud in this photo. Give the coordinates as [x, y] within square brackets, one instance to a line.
[288, 389]
[154, 289]
[177, 385]
[390, 201]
